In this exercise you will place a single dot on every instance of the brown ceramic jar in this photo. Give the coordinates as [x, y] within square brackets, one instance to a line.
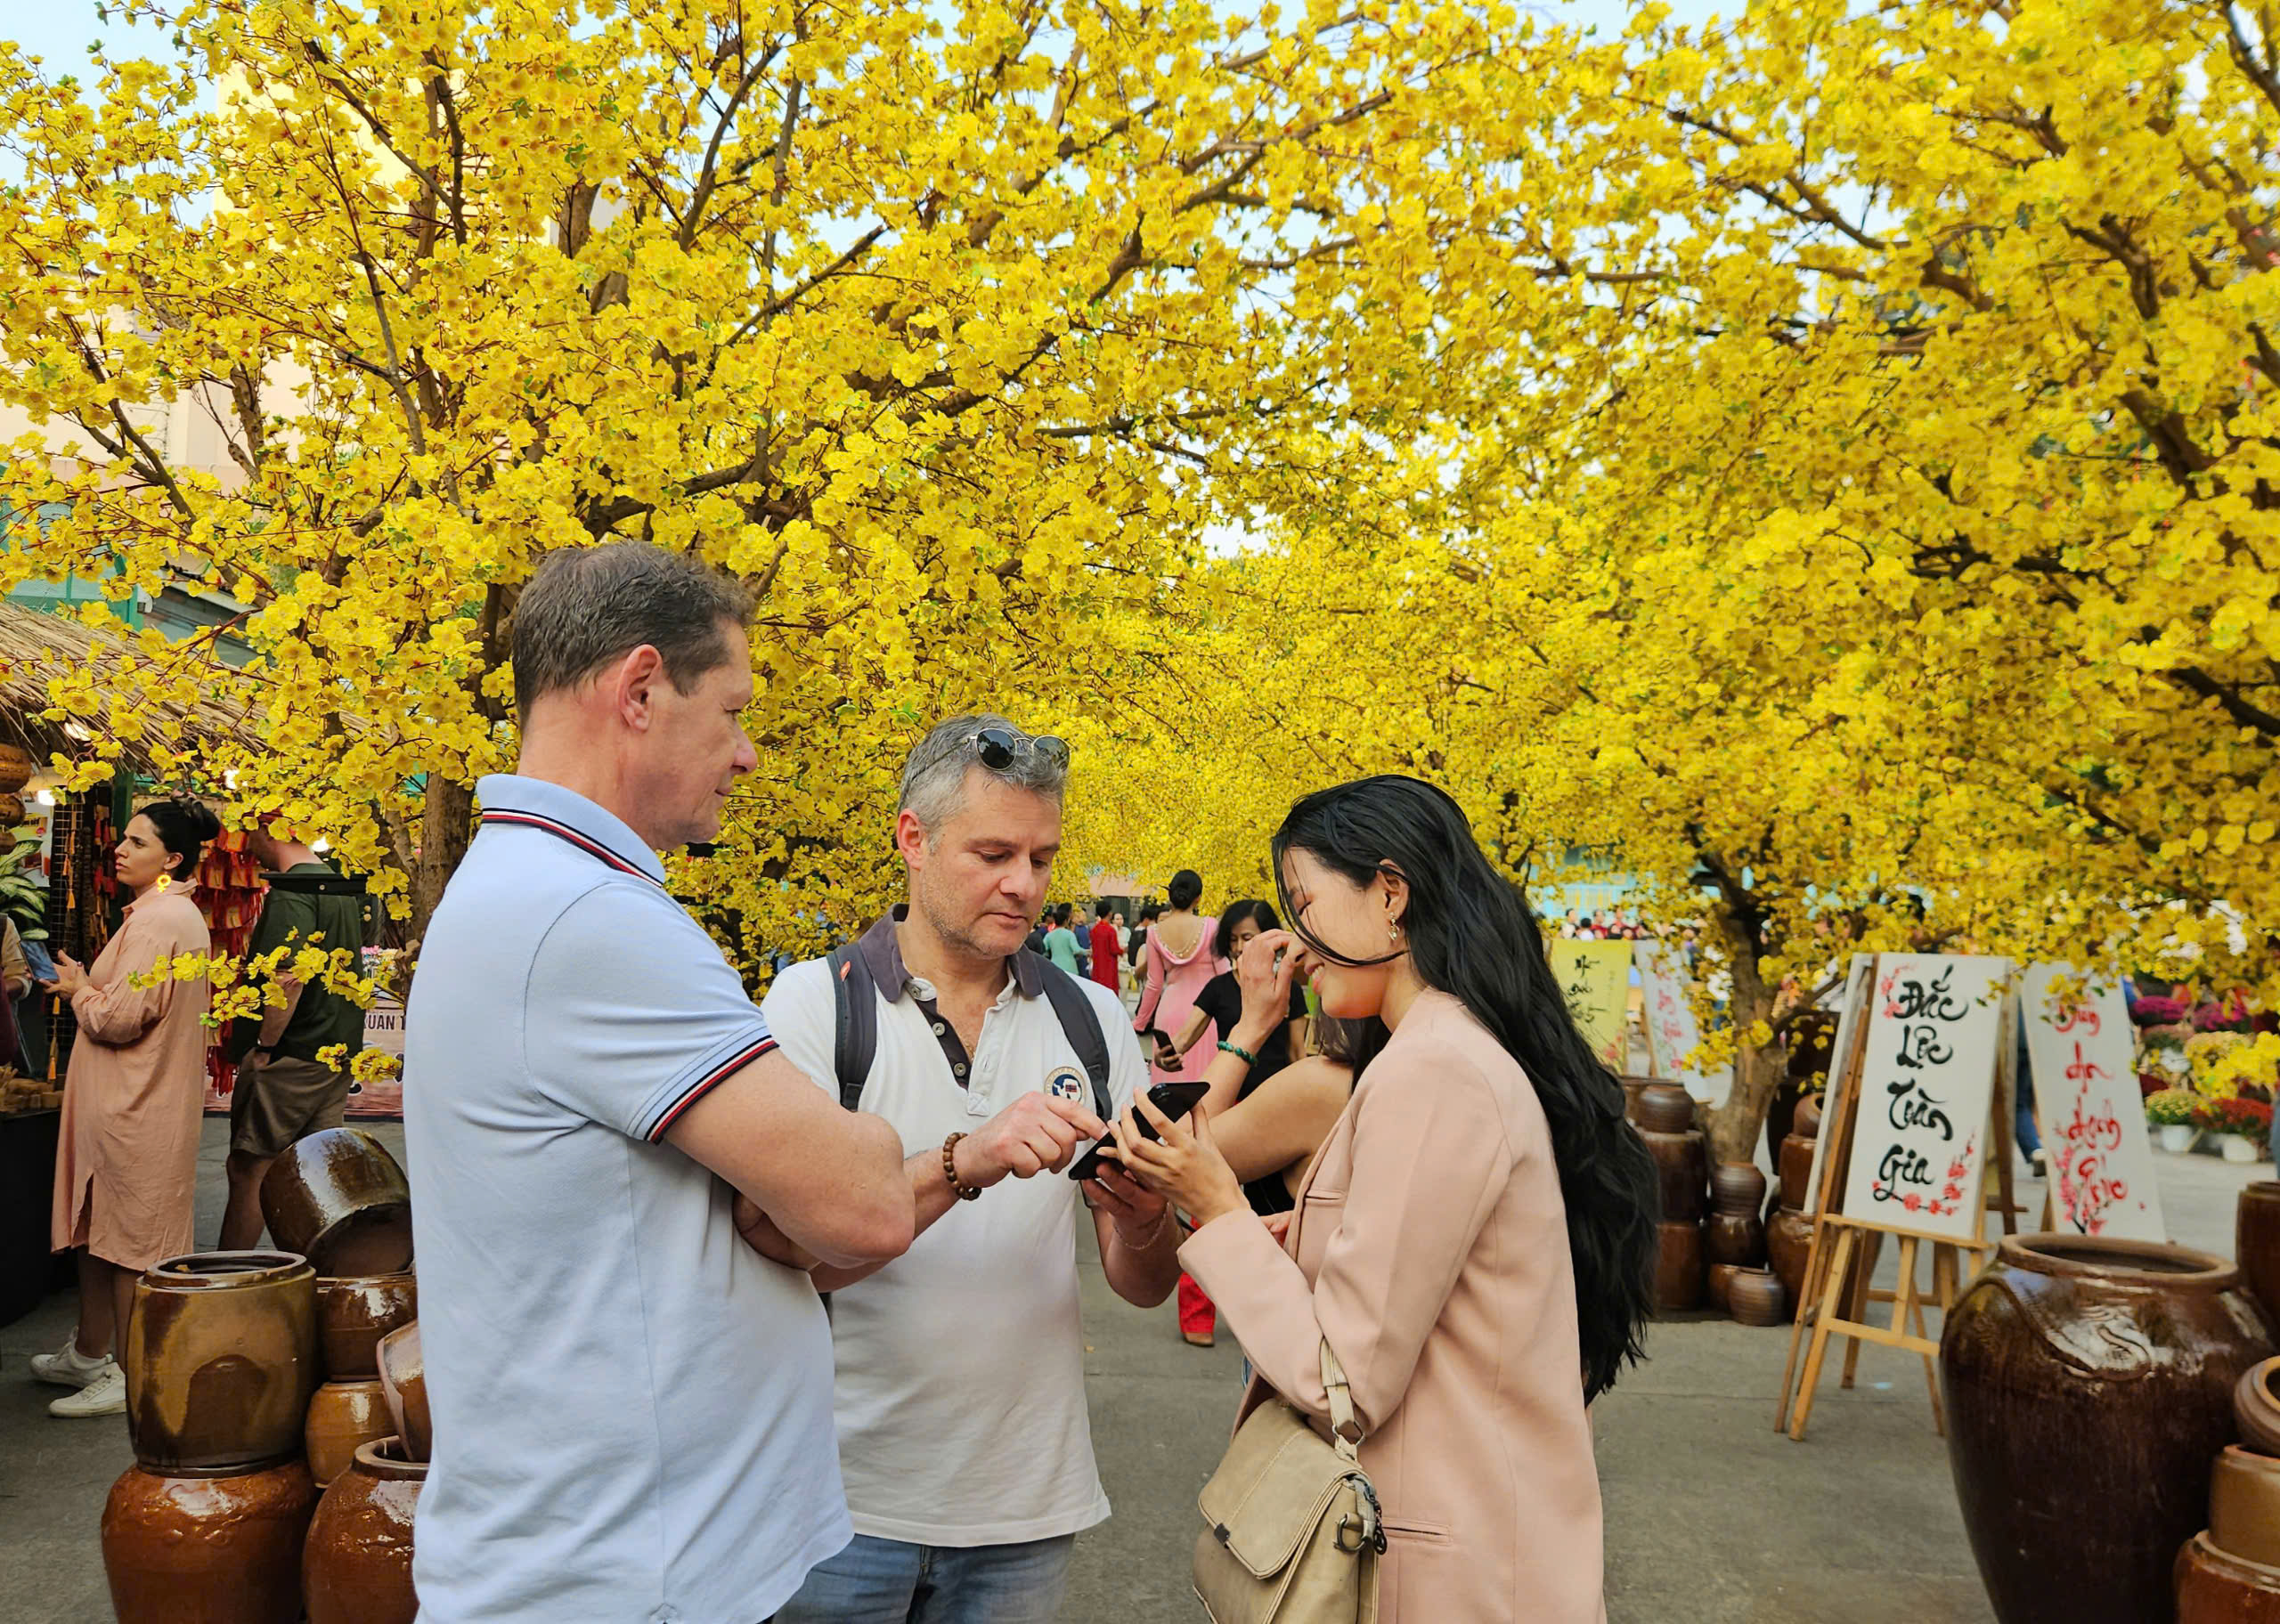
[207, 1550]
[1738, 1188]
[1756, 1298]
[354, 1314]
[339, 1200]
[1806, 1122]
[1796, 1172]
[221, 1359]
[1721, 1281]
[2215, 1587]
[342, 1416]
[1681, 1170]
[2256, 1242]
[1789, 1248]
[2089, 1383]
[1734, 1238]
[1666, 1108]
[1678, 1267]
[357, 1566]
[404, 1381]
[2256, 1407]
[2244, 1506]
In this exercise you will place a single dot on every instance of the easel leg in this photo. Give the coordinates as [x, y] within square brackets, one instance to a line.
[1831, 1300]
[1816, 1270]
[1909, 1298]
[1872, 1247]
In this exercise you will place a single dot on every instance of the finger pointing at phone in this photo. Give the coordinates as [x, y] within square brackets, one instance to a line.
[1037, 1133]
[1183, 1165]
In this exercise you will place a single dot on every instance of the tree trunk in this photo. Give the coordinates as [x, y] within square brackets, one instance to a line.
[1734, 1127]
[446, 827]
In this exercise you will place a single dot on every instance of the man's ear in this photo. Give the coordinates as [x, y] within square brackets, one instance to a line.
[632, 686]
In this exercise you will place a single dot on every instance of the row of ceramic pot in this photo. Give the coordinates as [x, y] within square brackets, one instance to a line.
[2090, 1387]
[259, 1547]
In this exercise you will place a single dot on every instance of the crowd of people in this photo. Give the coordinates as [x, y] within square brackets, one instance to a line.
[704, 1344]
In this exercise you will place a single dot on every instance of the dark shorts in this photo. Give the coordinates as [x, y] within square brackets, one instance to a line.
[287, 1099]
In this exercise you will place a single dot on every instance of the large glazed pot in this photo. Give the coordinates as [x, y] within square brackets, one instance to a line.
[2215, 1587]
[207, 1550]
[354, 1314]
[357, 1566]
[1789, 1248]
[1682, 1171]
[2256, 1242]
[221, 1359]
[403, 1382]
[1806, 1122]
[339, 1200]
[2089, 1383]
[1678, 1267]
[342, 1416]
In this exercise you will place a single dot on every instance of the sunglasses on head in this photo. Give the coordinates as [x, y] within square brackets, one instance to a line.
[998, 748]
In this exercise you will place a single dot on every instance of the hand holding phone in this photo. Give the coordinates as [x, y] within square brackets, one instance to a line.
[1174, 1099]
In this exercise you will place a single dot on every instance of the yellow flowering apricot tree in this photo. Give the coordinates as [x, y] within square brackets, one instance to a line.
[949, 328]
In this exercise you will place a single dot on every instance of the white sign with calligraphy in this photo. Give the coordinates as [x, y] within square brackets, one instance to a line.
[2086, 1106]
[1595, 977]
[1927, 1093]
[1673, 1034]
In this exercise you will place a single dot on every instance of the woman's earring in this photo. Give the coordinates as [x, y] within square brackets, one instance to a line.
[1392, 932]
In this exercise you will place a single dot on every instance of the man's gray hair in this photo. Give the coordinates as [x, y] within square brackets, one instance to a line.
[588, 606]
[933, 777]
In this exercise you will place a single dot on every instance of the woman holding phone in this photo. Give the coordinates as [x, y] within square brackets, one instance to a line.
[1475, 1240]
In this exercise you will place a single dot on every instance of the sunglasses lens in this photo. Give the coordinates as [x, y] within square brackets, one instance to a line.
[995, 747]
[1055, 751]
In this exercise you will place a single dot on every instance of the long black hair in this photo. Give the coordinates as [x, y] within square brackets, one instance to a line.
[1232, 919]
[1473, 935]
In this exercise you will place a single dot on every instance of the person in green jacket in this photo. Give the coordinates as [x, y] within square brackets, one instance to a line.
[284, 1091]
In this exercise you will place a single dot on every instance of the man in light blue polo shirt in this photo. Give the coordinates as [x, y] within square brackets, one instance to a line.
[632, 1406]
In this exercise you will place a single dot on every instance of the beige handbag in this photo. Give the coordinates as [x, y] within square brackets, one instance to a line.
[1291, 1530]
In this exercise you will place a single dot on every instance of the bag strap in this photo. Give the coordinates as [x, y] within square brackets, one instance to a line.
[1080, 1023]
[855, 1021]
[1344, 1429]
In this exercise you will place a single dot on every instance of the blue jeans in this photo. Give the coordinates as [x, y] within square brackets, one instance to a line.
[885, 1581]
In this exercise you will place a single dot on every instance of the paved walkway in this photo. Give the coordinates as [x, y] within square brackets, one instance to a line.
[1712, 1517]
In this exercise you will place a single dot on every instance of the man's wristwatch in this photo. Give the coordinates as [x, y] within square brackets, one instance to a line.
[964, 1192]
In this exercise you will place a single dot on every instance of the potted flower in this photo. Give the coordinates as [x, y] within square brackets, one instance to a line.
[2155, 1010]
[2172, 1113]
[2244, 1127]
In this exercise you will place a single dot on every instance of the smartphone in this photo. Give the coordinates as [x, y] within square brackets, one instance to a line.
[1174, 1099]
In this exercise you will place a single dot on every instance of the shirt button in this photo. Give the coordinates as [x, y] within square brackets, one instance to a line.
[938, 1029]
[959, 1069]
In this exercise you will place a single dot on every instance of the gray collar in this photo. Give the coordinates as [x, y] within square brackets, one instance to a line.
[883, 957]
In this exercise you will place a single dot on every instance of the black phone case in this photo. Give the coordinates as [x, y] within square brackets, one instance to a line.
[1184, 1098]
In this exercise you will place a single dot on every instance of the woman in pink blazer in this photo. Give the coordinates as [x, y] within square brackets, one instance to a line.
[1476, 1238]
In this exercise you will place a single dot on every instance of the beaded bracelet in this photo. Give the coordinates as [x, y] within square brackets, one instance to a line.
[1245, 1055]
[964, 1192]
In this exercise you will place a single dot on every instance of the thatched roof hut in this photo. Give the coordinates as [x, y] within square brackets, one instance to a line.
[35, 647]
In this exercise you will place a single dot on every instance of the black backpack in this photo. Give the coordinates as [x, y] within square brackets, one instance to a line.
[856, 1030]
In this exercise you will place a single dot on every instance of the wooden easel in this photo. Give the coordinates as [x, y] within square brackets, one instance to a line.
[1844, 1249]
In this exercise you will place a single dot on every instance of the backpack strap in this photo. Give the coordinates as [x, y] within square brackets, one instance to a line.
[855, 1010]
[1080, 1023]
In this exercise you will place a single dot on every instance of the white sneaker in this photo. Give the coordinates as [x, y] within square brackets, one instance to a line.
[106, 1395]
[70, 1367]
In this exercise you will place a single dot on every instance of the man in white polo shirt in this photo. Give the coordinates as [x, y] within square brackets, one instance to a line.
[631, 1406]
[962, 1433]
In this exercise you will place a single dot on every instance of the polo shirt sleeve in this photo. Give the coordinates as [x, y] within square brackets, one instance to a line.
[632, 1015]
